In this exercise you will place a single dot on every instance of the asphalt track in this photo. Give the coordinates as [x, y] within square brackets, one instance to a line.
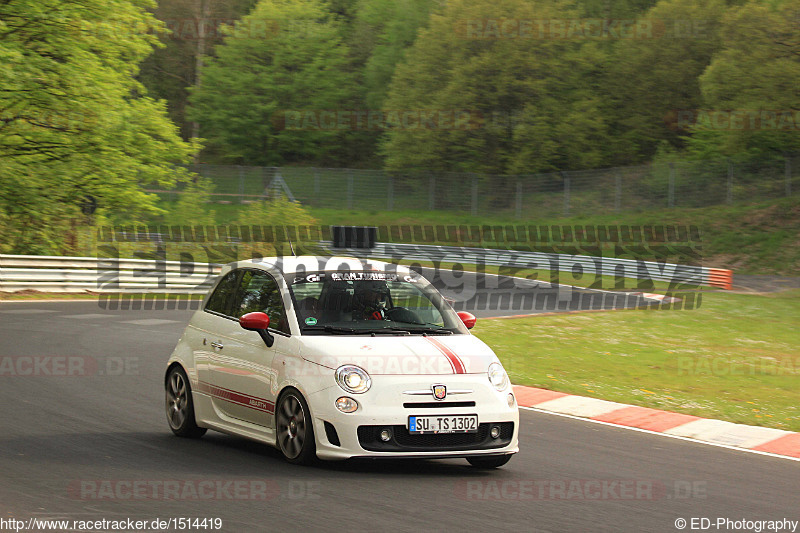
[71, 446]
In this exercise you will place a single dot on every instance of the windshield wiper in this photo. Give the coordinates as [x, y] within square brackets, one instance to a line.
[331, 329]
[353, 331]
[427, 331]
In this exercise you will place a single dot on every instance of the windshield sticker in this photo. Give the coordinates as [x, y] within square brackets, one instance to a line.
[311, 321]
[354, 276]
[363, 276]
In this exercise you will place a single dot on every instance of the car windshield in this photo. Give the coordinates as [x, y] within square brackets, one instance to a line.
[351, 302]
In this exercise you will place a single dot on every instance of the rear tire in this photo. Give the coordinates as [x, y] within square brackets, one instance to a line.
[294, 430]
[493, 461]
[179, 405]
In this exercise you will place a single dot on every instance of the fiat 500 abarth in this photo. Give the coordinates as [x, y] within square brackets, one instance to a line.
[334, 358]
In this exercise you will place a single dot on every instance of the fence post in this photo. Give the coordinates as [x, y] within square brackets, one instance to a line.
[730, 182]
[474, 195]
[519, 199]
[566, 193]
[241, 183]
[671, 189]
[316, 186]
[349, 189]
[617, 191]
[265, 181]
[390, 193]
[788, 174]
[431, 192]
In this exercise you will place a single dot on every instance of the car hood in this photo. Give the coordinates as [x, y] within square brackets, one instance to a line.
[408, 355]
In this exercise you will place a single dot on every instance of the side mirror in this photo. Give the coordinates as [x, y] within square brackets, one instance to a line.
[258, 322]
[468, 319]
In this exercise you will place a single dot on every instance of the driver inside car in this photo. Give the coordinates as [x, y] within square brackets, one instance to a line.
[370, 300]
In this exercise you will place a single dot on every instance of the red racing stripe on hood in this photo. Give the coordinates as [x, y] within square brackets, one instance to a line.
[455, 361]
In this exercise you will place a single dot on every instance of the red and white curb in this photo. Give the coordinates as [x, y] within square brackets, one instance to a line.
[717, 432]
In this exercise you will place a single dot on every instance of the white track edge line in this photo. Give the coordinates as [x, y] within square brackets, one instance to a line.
[659, 433]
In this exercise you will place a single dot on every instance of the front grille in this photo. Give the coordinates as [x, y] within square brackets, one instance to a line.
[435, 405]
[403, 441]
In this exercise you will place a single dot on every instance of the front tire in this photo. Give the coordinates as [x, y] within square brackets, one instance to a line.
[493, 461]
[294, 429]
[179, 405]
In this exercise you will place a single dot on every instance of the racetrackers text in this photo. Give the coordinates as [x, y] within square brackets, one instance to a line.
[725, 524]
[125, 524]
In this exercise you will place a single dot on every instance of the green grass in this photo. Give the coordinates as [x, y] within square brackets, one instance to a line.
[735, 358]
[749, 239]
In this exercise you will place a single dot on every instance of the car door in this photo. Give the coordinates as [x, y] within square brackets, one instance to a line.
[204, 330]
[240, 371]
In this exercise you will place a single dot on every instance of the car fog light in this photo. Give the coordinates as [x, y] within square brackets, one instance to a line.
[510, 400]
[346, 405]
[386, 435]
[495, 432]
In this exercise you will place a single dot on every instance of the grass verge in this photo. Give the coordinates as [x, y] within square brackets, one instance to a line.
[756, 238]
[736, 358]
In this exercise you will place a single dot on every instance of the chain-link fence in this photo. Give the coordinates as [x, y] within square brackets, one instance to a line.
[634, 188]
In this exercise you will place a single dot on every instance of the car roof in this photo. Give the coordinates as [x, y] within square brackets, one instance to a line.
[316, 263]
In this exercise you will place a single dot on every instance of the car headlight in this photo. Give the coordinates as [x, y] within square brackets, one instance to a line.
[353, 379]
[497, 376]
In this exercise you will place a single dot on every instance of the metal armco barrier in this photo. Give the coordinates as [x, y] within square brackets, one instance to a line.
[74, 274]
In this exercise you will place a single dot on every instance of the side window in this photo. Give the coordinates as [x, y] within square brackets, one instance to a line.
[259, 292]
[221, 300]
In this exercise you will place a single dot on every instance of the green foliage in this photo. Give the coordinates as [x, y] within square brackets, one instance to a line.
[651, 80]
[74, 122]
[757, 75]
[529, 105]
[193, 28]
[284, 57]
[191, 208]
[383, 30]
[277, 211]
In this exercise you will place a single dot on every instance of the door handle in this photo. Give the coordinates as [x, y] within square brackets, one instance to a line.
[217, 345]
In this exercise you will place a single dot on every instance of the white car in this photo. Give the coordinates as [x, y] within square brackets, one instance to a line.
[334, 358]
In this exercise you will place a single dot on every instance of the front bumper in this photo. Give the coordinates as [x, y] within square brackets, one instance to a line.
[387, 406]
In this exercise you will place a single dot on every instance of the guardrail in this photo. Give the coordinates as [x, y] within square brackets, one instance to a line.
[75, 274]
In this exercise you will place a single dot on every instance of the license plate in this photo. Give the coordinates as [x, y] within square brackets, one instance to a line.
[419, 425]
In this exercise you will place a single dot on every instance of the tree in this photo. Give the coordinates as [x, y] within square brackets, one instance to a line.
[751, 88]
[653, 79]
[510, 99]
[383, 30]
[193, 28]
[73, 121]
[283, 61]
